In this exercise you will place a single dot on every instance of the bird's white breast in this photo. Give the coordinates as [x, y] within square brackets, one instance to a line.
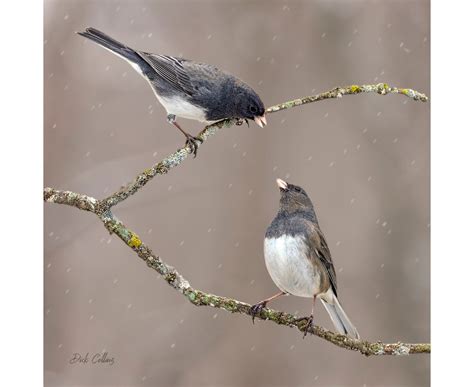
[289, 267]
[174, 105]
[182, 108]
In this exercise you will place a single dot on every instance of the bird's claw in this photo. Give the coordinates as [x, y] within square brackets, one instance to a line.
[256, 309]
[192, 142]
[308, 325]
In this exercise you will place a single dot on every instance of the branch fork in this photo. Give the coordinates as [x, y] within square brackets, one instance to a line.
[103, 209]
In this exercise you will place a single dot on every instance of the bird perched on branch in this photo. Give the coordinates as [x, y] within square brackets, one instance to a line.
[189, 89]
[298, 258]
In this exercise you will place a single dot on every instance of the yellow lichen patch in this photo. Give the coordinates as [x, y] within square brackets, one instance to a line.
[134, 241]
[148, 171]
[355, 89]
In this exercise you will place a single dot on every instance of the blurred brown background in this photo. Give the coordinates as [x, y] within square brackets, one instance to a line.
[364, 160]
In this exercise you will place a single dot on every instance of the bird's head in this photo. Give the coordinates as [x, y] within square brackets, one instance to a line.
[250, 106]
[293, 198]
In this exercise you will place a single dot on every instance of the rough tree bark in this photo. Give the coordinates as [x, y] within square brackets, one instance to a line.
[103, 209]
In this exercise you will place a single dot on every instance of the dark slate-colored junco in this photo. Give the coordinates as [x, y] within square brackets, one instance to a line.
[298, 258]
[189, 89]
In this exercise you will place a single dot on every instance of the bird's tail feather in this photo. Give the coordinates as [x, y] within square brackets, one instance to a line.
[339, 318]
[111, 44]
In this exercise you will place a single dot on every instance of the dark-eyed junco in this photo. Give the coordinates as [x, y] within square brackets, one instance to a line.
[298, 258]
[189, 89]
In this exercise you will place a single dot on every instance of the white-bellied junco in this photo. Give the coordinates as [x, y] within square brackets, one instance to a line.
[298, 257]
[189, 89]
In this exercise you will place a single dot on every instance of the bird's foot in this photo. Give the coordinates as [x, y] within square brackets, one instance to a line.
[256, 309]
[308, 325]
[192, 142]
[240, 121]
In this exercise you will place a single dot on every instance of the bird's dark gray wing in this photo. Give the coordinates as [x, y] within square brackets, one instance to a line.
[318, 246]
[171, 70]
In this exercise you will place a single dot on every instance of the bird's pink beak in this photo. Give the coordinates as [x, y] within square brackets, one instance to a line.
[282, 184]
[261, 121]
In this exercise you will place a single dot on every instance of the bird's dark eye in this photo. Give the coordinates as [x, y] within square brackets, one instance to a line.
[253, 109]
[297, 189]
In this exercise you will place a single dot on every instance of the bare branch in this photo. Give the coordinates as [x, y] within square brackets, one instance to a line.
[200, 298]
[177, 157]
[102, 208]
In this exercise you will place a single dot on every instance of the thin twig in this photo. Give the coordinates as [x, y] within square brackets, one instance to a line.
[176, 158]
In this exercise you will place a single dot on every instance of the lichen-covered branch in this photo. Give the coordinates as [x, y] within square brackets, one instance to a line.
[102, 208]
[200, 298]
[177, 157]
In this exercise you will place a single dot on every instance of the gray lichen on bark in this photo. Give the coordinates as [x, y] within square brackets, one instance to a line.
[102, 208]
